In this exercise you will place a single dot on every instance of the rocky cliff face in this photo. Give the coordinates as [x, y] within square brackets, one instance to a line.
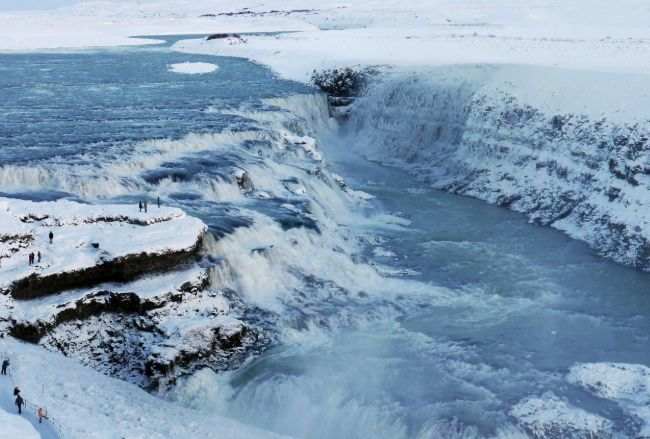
[123, 291]
[538, 141]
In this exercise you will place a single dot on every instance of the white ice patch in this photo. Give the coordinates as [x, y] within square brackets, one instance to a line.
[626, 384]
[193, 68]
[549, 416]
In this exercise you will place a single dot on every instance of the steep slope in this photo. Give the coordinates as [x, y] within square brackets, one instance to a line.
[526, 138]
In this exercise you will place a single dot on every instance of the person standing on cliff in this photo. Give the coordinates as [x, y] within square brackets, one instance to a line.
[158, 201]
[140, 205]
[38, 255]
[5, 365]
[31, 258]
[51, 236]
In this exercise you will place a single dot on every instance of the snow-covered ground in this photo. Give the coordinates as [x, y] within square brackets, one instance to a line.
[585, 34]
[14, 426]
[86, 235]
[548, 416]
[626, 384]
[85, 404]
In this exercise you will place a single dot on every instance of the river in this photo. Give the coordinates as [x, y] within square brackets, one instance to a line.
[445, 313]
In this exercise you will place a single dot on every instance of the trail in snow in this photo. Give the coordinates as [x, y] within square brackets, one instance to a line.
[7, 384]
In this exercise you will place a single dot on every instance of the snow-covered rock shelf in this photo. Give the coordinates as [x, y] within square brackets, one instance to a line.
[91, 244]
[121, 290]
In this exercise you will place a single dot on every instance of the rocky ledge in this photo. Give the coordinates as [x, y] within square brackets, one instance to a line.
[123, 291]
[90, 244]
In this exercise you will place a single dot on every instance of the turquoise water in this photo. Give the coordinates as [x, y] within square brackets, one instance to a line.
[493, 310]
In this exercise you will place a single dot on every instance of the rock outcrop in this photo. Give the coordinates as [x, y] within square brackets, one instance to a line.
[121, 269]
[123, 291]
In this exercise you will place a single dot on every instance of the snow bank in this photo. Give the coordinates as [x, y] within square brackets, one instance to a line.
[418, 33]
[193, 68]
[116, 22]
[586, 34]
[13, 426]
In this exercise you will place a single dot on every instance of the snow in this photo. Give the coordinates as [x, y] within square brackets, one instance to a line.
[626, 384]
[547, 416]
[88, 405]
[120, 230]
[193, 68]
[14, 426]
[417, 33]
[109, 23]
[582, 34]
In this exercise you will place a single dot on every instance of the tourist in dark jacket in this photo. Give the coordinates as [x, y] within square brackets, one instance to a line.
[20, 402]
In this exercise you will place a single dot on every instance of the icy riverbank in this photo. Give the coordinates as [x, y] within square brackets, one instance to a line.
[525, 138]
[546, 120]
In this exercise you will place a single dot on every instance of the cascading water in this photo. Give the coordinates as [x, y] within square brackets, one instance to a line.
[393, 310]
[466, 318]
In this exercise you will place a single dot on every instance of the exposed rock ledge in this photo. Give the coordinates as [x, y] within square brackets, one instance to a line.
[148, 332]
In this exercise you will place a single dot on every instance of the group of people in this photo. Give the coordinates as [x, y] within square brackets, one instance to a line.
[36, 258]
[143, 205]
[32, 257]
[18, 398]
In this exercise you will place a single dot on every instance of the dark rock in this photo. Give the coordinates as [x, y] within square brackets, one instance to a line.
[121, 269]
[224, 36]
[340, 83]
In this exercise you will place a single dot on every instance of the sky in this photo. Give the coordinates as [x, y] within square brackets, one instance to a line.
[31, 4]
